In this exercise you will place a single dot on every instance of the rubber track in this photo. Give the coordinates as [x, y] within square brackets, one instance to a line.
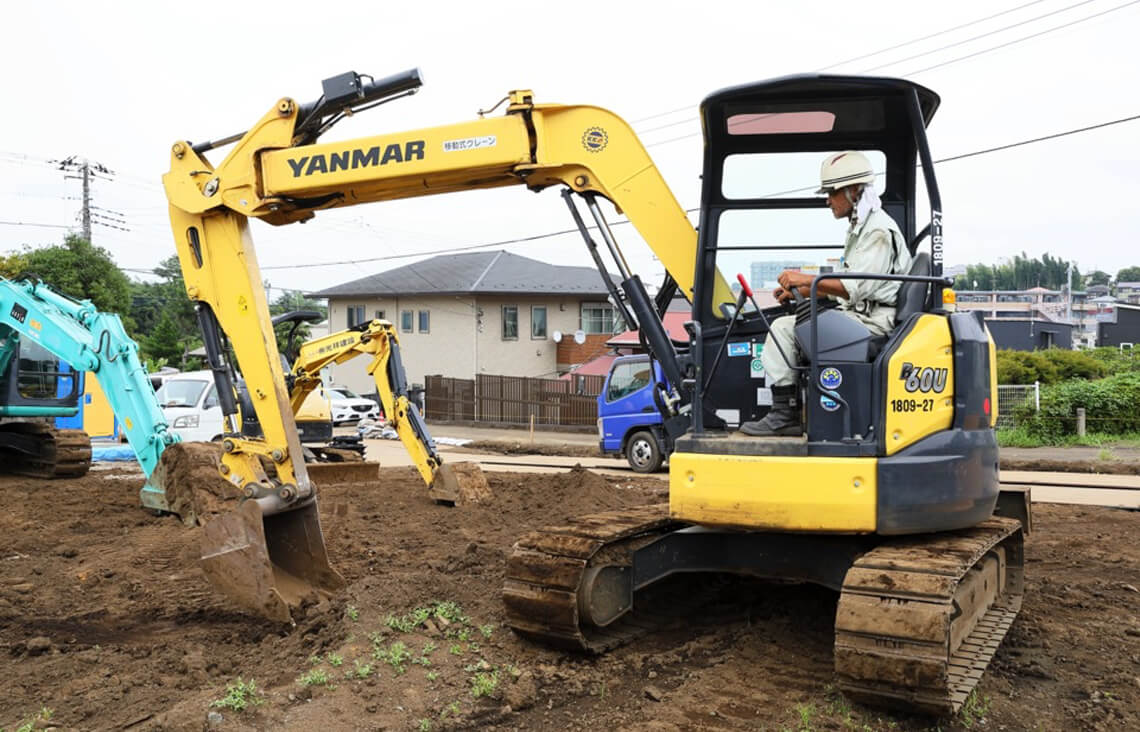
[905, 602]
[68, 455]
[545, 570]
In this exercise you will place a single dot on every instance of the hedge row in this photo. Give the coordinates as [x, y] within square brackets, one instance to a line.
[1110, 406]
[1049, 366]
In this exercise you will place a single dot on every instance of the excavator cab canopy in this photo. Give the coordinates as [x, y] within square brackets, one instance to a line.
[764, 143]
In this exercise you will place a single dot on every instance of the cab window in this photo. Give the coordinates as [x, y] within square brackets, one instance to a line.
[626, 379]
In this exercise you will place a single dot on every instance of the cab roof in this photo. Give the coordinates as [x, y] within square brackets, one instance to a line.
[815, 112]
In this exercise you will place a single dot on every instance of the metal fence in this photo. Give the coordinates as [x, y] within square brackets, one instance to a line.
[1012, 397]
[514, 400]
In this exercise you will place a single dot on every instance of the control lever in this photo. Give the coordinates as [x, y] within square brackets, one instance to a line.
[746, 290]
[727, 332]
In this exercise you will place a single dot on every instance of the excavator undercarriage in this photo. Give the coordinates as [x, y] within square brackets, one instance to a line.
[918, 618]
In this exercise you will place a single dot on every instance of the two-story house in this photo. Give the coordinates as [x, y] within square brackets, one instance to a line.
[478, 313]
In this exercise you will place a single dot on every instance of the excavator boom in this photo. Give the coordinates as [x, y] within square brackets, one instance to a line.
[277, 172]
[377, 338]
[95, 342]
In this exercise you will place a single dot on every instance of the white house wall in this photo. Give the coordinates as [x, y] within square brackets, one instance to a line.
[465, 337]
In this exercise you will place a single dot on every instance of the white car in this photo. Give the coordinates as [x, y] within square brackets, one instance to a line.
[189, 402]
[350, 407]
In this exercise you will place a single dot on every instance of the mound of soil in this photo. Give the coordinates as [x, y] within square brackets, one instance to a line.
[1104, 467]
[506, 447]
[106, 619]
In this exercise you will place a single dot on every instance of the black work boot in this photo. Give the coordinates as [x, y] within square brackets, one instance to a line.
[782, 420]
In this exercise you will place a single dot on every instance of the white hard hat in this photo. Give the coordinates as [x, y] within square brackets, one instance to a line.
[844, 169]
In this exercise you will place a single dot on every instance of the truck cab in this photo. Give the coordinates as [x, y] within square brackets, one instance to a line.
[629, 422]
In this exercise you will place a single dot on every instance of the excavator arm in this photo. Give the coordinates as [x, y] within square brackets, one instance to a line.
[89, 340]
[278, 172]
[378, 339]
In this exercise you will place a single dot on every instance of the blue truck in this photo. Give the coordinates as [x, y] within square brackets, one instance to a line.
[629, 422]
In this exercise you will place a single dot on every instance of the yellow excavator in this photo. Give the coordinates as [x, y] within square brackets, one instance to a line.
[378, 339]
[891, 497]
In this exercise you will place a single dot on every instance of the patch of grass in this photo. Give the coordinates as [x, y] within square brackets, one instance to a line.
[455, 649]
[806, 713]
[447, 612]
[484, 684]
[395, 655]
[402, 624]
[486, 630]
[240, 696]
[424, 725]
[974, 710]
[359, 670]
[335, 659]
[36, 722]
[1105, 454]
[352, 613]
[452, 709]
[432, 676]
[315, 660]
[316, 677]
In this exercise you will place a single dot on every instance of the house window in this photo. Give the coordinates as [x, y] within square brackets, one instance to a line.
[406, 321]
[599, 318]
[355, 315]
[538, 322]
[425, 321]
[380, 315]
[510, 322]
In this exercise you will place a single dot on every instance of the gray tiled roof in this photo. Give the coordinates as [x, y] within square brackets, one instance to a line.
[475, 273]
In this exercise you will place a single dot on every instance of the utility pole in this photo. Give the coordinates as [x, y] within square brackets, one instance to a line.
[84, 170]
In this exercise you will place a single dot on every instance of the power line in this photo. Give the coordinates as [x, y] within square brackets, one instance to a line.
[1040, 139]
[950, 61]
[979, 36]
[932, 35]
[28, 223]
[869, 55]
[1025, 38]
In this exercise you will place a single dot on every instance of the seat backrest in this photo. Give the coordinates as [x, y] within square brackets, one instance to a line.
[913, 296]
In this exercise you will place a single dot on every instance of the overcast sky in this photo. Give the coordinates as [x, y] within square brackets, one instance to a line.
[119, 87]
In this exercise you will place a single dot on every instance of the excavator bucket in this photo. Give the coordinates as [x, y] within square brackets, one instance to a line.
[459, 483]
[269, 564]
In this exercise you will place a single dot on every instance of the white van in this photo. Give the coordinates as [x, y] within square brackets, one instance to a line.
[190, 404]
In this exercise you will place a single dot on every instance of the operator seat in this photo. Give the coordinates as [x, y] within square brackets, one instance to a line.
[844, 339]
[913, 297]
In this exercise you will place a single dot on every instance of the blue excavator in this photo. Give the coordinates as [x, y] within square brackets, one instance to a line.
[34, 390]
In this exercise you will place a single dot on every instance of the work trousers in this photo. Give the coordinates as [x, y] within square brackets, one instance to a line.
[880, 321]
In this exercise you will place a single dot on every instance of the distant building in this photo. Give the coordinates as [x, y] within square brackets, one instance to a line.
[1044, 317]
[1128, 292]
[478, 313]
[1119, 325]
[1024, 334]
[764, 274]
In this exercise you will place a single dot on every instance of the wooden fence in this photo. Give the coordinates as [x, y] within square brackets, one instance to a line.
[514, 399]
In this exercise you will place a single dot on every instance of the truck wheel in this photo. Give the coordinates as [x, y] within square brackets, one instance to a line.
[642, 452]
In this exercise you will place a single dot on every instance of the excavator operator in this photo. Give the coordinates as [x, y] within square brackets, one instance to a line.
[874, 245]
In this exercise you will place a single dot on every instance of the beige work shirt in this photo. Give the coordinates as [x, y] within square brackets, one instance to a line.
[869, 249]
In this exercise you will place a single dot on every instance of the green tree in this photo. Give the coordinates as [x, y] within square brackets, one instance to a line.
[165, 342]
[1128, 274]
[1097, 277]
[1020, 273]
[153, 301]
[83, 271]
[12, 265]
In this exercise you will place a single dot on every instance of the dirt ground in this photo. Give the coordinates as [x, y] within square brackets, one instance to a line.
[106, 621]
